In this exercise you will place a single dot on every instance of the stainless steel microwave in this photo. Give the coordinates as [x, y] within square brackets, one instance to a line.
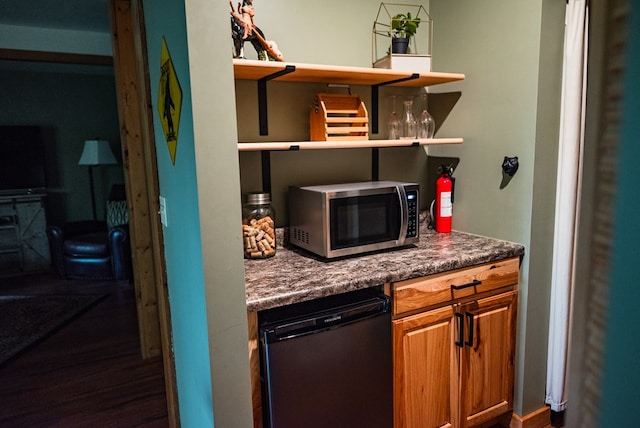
[344, 219]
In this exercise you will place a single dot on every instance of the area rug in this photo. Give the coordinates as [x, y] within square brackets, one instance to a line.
[25, 320]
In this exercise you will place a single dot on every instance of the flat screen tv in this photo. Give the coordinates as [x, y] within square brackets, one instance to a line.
[22, 161]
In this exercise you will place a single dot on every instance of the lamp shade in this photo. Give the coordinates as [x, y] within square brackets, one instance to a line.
[97, 152]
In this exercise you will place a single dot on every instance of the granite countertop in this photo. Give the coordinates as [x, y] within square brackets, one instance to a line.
[295, 275]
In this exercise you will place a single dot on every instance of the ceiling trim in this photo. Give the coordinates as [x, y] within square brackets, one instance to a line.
[58, 57]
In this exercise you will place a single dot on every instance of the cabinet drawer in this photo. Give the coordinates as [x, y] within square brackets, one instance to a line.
[415, 294]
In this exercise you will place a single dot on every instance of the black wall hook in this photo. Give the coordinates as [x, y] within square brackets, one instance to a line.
[510, 165]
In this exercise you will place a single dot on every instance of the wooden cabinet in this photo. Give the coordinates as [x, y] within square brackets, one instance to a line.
[23, 241]
[486, 363]
[454, 350]
[424, 367]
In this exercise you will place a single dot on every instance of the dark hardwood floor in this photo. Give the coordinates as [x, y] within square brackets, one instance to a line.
[87, 373]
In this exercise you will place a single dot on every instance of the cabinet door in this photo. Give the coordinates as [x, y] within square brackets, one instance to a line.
[425, 363]
[486, 371]
[33, 237]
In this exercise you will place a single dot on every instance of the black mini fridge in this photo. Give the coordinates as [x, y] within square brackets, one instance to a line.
[327, 363]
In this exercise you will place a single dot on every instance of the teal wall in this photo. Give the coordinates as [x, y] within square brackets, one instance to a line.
[203, 249]
[72, 104]
[58, 40]
[621, 368]
[182, 242]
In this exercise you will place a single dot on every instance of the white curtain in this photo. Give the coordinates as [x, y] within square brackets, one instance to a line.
[567, 199]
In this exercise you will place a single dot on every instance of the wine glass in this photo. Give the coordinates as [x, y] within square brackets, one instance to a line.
[393, 124]
[426, 124]
[409, 124]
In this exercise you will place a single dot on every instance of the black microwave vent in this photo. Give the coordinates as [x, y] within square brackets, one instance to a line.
[300, 235]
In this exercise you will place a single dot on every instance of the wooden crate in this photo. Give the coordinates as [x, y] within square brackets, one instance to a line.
[336, 117]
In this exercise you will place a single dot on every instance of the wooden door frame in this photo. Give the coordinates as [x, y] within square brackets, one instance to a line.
[141, 182]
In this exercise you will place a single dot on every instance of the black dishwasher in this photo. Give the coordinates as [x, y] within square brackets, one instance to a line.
[328, 362]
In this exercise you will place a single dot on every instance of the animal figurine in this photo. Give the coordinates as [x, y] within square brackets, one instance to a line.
[243, 29]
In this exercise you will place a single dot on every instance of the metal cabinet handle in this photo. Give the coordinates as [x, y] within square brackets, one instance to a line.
[467, 285]
[460, 341]
[470, 341]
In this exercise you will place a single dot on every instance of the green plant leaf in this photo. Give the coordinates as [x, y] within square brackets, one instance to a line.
[404, 25]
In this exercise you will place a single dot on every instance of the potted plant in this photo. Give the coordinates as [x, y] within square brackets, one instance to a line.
[403, 27]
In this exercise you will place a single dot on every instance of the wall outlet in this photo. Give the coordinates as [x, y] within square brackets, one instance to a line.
[163, 211]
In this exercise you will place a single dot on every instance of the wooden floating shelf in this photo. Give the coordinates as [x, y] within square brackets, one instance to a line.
[265, 71]
[325, 145]
[246, 69]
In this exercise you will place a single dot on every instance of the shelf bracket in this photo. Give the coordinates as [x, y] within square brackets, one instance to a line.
[375, 164]
[266, 171]
[375, 160]
[262, 97]
[375, 90]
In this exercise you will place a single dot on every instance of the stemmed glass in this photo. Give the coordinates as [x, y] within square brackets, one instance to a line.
[393, 124]
[426, 124]
[409, 124]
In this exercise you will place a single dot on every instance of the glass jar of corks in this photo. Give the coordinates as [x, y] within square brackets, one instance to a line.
[258, 226]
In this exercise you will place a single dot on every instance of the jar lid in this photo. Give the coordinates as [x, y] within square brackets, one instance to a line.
[258, 198]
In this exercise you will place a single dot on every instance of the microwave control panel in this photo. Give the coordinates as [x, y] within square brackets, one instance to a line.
[412, 221]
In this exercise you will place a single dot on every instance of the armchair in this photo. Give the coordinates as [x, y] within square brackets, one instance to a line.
[90, 250]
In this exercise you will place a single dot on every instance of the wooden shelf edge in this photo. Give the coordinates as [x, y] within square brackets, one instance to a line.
[246, 69]
[326, 145]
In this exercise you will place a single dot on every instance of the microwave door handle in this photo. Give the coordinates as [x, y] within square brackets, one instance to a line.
[404, 213]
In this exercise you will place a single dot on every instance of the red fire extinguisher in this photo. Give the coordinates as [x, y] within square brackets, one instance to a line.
[444, 201]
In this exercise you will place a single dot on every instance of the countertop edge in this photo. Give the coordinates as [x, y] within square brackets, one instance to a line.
[286, 280]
